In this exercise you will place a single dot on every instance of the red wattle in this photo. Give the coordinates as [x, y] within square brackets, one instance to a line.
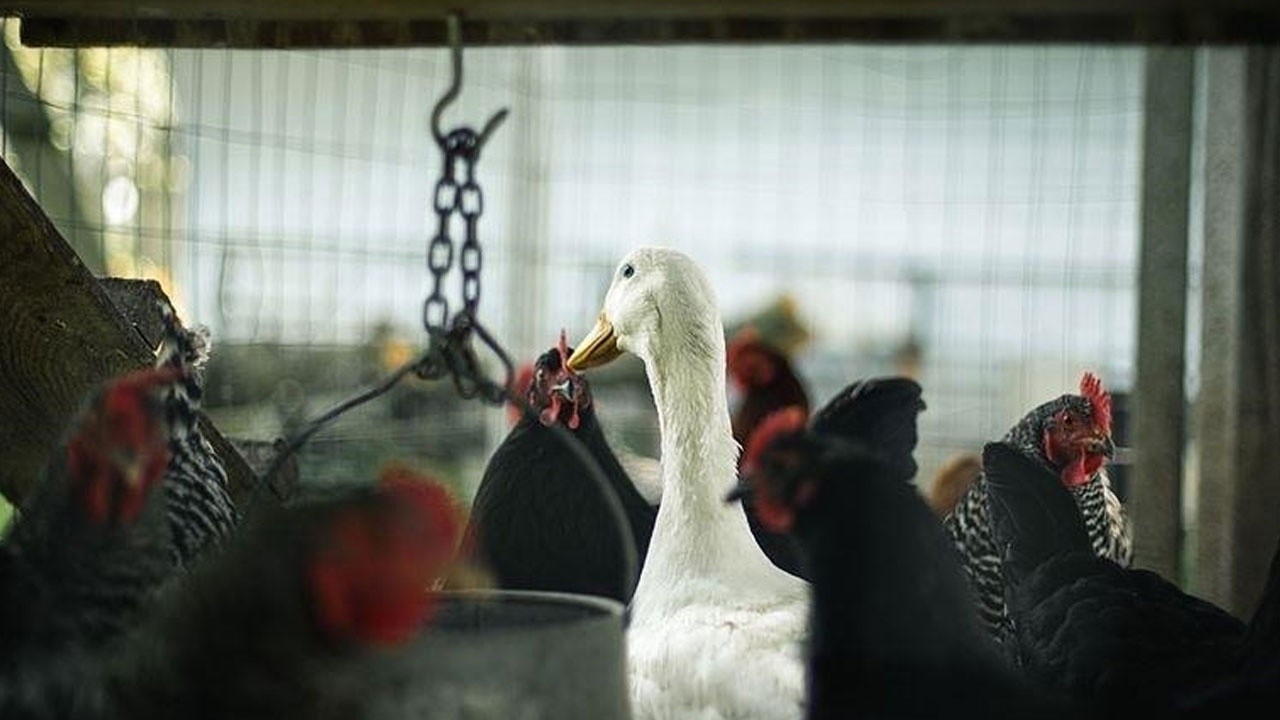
[551, 412]
[773, 516]
[1075, 474]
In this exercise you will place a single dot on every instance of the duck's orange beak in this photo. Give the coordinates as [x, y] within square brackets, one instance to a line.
[599, 347]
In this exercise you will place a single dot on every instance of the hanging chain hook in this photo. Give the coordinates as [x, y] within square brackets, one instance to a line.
[454, 25]
[450, 350]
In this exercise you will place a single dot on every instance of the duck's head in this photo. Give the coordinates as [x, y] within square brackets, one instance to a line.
[660, 300]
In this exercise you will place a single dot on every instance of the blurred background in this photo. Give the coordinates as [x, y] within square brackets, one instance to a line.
[967, 215]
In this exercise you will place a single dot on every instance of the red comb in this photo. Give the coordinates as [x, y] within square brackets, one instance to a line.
[371, 582]
[562, 347]
[128, 393]
[120, 419]
[1091, 388]
[429, 499]
[781, 422]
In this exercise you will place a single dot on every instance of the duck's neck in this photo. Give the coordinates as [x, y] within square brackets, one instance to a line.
[696, 532]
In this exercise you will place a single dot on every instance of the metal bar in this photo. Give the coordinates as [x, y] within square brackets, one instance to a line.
[1156, 498]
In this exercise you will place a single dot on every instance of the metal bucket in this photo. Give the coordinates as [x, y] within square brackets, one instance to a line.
[517, 655]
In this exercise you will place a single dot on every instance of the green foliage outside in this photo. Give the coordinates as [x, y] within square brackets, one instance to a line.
[6, 511]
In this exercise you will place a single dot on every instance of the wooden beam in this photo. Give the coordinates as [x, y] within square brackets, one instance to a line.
[339, 23]
[1239, 421]
[61, 335]
[1156, 496]
[640, 9]
[136, 300]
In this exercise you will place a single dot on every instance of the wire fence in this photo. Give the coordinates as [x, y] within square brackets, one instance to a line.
[973, 207]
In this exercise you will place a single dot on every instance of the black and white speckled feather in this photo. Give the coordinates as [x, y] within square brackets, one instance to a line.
[66, 582]
[200, 508]
[970, 527]
[70, 582]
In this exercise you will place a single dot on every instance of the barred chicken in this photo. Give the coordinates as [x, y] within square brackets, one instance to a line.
[952, 481]
[200, 508]
[1071, 437]
[91, 547]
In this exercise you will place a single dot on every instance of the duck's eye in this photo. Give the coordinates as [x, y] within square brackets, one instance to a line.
[628, 271]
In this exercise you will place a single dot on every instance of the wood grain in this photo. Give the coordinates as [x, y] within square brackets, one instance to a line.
[60, 337]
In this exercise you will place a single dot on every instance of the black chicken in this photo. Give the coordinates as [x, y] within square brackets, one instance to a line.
[538, 520]
[290, 619]
[893, 631]
[1126, 640]
[302, 615]
[1070, 436]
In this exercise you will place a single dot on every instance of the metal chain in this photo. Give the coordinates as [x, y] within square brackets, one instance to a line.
[471, 205]
[451, 346]
[460, 145]
[458, 193]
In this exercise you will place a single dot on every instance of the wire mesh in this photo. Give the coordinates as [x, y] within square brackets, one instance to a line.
[966, 214]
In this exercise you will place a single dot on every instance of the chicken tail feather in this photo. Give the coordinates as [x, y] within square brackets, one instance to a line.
[879, 413]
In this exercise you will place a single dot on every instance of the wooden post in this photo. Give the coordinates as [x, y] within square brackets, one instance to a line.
[1156, 496]
[60, 336]
[1239, 421]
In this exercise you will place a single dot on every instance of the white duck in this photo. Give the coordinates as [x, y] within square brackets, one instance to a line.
[715, 627]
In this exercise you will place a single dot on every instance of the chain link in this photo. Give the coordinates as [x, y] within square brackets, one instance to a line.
[452, 350]
[461, 148]
[470, 206]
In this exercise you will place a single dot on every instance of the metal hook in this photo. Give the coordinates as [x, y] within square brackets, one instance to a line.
[454, 24]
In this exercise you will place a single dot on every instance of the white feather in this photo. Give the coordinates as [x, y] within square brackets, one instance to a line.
[645, 472]
[715, 627]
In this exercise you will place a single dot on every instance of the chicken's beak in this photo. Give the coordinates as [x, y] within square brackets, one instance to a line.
[599, 347]
[133, 475]
[1099, 444]
[130, 465]
[564, 389]
[741, 491]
